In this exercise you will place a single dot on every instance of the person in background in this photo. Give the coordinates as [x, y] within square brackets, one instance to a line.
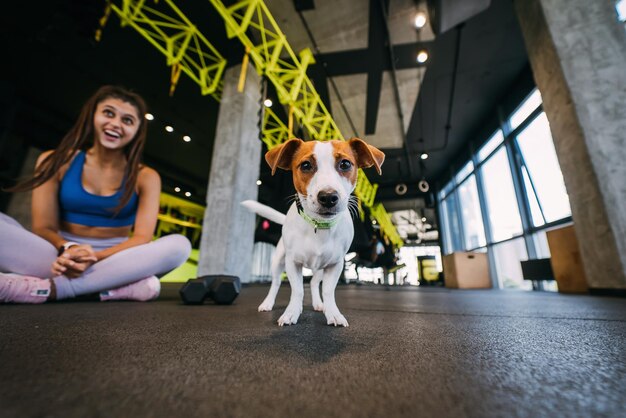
[94, 211]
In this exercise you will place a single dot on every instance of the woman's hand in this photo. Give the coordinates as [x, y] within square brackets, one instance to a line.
[74, 261]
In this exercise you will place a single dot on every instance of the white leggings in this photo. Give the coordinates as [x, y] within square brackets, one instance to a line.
[25, 253]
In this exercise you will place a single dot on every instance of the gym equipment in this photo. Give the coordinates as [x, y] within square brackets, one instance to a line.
[222, 289]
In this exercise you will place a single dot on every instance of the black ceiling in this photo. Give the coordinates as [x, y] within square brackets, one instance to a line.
[52, 64]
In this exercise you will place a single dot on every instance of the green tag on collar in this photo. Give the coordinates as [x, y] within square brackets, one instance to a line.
[318, 224]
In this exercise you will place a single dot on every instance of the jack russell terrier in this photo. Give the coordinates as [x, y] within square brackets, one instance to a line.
[317, 230]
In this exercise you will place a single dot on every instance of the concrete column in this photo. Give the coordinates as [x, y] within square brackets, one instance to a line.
[577, 50]
[228, 228]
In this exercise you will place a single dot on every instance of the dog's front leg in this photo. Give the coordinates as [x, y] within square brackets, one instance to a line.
[294, 309]
[277, 268]
[329, 283]
[316, 300]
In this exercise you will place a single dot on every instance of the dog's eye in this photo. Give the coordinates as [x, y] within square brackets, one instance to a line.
[306, 166]
[345, 165]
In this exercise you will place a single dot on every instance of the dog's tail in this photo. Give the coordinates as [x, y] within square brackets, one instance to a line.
[264, 211]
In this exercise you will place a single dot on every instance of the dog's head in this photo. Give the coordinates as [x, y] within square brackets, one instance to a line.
[324, 173]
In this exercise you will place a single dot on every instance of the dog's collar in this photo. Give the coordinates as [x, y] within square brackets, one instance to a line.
[315, 223]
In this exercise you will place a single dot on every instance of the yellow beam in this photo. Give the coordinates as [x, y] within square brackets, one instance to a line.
[187, 50]
[272, 55]
[274, 130]
[386, 226]
[173, 34]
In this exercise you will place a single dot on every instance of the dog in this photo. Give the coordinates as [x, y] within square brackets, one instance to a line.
[317, 229]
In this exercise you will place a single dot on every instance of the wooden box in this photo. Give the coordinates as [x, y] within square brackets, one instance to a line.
[565, 259]
[465, 270]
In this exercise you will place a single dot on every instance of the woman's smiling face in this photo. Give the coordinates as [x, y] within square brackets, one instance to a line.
[116, 123]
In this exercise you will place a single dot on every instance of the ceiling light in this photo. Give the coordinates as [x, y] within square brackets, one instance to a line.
[177, 189]
[420, 20]
[268, 103]
[186, 138]
[422, 57]
[168, 128]
[424, 156]
[259, 182]
[424, 219]
[149, 116]
[187, 194]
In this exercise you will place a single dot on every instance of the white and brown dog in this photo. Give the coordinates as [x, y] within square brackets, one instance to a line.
[317, 230]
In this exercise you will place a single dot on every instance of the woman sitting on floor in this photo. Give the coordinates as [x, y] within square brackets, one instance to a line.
[88, 194]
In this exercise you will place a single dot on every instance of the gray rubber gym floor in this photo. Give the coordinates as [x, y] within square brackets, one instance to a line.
[407, 353]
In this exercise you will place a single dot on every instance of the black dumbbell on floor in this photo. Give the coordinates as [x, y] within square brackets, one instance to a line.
[222, 289]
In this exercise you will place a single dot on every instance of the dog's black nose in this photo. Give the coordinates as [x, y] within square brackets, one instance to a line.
[328, 199]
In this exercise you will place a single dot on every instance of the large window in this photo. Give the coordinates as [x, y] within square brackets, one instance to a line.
[504, 197]
[491, 144]
[543, 178]
[464, 172]
[536, 214]
[526, 108]
[502, 207]
[507, 256]
[473, 228]
[450, 224]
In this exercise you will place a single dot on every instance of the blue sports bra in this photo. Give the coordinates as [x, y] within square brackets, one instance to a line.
[81, 207]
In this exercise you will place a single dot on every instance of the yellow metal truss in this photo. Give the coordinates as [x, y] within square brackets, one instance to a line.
[274, 130]
[273, 57]
[183, 45]
[187, 50]
[386, 225]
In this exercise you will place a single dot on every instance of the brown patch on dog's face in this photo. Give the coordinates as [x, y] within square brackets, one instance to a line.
[304, 166]
[367, 155]
[300, 157]
[295, 155]
[346, 160]
[281, 155]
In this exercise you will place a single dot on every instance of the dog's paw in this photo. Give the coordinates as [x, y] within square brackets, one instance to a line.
[318, 305]
[290, 317]
[334, 317]
[266, 306]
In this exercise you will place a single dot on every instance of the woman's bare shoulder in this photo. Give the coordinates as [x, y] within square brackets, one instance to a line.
[43, 156]
[148, 176]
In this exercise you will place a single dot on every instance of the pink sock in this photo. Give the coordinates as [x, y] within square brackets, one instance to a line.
[143, 290]
[15, 288]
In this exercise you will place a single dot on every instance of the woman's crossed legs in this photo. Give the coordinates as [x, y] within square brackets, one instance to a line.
[26, 254]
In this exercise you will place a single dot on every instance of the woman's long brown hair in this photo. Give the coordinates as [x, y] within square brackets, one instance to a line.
[80, 138]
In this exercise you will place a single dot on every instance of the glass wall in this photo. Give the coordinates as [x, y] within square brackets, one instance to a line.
[492, 143]
[507, 256]
[500, 197]
[473, 228]
[527, 107]
[450, 223]
[543, 178]
[504, 198]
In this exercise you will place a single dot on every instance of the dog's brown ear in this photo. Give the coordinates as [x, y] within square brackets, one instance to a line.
[367, 155]
[281, 155]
